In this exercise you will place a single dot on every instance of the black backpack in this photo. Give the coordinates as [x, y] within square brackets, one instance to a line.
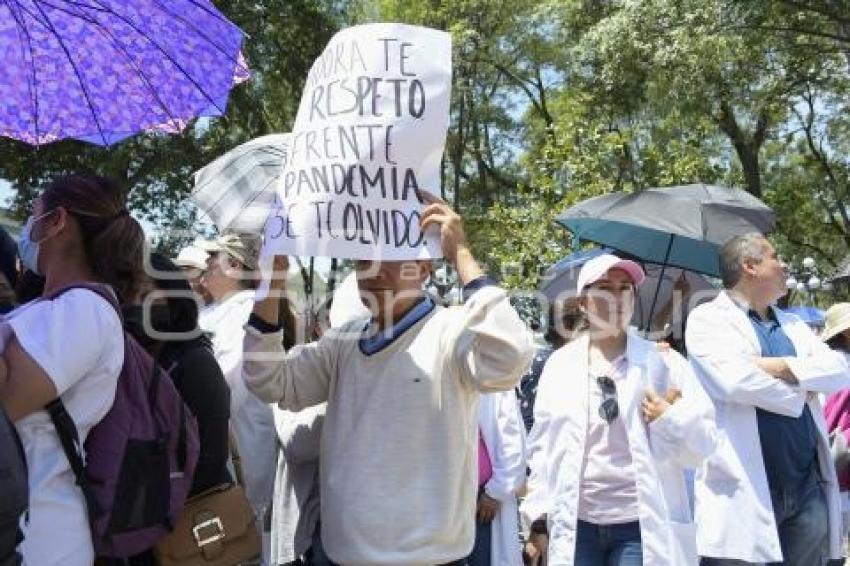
[14, 491]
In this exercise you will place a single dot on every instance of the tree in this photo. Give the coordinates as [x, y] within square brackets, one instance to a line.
[715, 60]
[814, 20]
[604, 95]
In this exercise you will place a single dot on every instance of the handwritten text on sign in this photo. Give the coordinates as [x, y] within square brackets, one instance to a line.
[370, 130]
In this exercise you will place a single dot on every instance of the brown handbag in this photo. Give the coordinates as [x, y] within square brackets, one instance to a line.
[217, 528]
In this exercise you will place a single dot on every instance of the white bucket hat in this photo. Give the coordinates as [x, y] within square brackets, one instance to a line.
[837, 320]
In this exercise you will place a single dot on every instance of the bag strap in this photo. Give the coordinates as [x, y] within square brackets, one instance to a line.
[66, 430]
[182, 439]
[234, 455]
[64, 424]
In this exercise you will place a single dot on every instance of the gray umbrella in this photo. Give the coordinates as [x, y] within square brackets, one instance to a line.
[682, 226]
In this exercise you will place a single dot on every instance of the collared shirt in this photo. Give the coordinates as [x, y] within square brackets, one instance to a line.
[374, 342]
[788, 444]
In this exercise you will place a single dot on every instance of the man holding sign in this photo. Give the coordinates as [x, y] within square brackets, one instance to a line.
[399, 447]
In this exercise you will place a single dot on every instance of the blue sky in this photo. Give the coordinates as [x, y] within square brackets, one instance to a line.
[5, 192]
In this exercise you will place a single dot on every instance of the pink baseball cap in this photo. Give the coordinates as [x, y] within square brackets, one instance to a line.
[597, 267]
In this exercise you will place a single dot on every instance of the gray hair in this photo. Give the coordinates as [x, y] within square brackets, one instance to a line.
[737, 250]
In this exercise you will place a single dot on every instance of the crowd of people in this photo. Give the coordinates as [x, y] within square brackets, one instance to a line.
[413, 433]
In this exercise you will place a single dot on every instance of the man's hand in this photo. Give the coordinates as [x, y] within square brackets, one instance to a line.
[777, 367]
[533, 554]
[487, 508]
[268, 309]
[673, 395]
[682, 285]
[280, 267]
[653, 405]
[452, 236]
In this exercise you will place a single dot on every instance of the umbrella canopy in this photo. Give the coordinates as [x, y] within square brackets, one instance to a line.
[237, 190]
[559, 282]
[103, 70]
[681, 226]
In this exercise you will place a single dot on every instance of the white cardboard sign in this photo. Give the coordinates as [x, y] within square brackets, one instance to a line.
[370, 130]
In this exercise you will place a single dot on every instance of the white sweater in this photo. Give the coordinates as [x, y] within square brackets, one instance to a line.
[399, 445]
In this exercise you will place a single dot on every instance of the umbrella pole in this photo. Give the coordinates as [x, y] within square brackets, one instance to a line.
[658, 286]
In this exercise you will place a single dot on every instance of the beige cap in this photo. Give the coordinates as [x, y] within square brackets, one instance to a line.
[837, 320]
[244, 248]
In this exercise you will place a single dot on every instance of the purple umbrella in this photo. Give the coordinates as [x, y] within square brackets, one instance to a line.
[103, 70]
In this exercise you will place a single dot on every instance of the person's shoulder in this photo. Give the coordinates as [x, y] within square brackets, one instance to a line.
[193, 368]
[712, 305]
[239, 306]
[84, 304]
[713, 310]
[194, 352]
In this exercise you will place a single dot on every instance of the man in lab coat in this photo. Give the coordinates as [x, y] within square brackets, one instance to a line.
[769, 492]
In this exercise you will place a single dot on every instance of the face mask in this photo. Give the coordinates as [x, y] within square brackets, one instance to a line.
[27, 249]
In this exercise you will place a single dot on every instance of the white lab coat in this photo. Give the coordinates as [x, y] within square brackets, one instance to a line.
[251, 419]
[681, 438]
[733, 507]
[504, 435]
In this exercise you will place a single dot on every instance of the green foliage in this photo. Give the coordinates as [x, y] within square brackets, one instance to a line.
[555, 101]
[593, 96]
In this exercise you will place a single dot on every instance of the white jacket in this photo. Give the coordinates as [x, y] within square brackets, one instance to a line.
[251, 419]
[681, 438]
[504, 435]
[733, 507]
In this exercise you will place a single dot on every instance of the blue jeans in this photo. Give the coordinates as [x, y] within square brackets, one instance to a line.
[802, 521]
[608, 545]
[483, 545]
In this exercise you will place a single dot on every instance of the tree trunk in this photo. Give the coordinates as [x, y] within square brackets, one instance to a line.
[749, 158]
[747, 146]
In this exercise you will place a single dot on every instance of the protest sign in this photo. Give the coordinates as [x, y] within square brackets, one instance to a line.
[370, 131]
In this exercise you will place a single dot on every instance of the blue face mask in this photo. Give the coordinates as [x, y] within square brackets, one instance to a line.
[27, 249]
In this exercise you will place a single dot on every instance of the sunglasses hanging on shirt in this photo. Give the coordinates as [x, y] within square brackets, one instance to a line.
[608, 409]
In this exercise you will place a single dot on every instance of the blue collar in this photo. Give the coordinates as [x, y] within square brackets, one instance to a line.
[770, 321]
[374, 343]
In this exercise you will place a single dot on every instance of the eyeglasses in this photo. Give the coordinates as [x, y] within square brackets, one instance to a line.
[608, 409]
